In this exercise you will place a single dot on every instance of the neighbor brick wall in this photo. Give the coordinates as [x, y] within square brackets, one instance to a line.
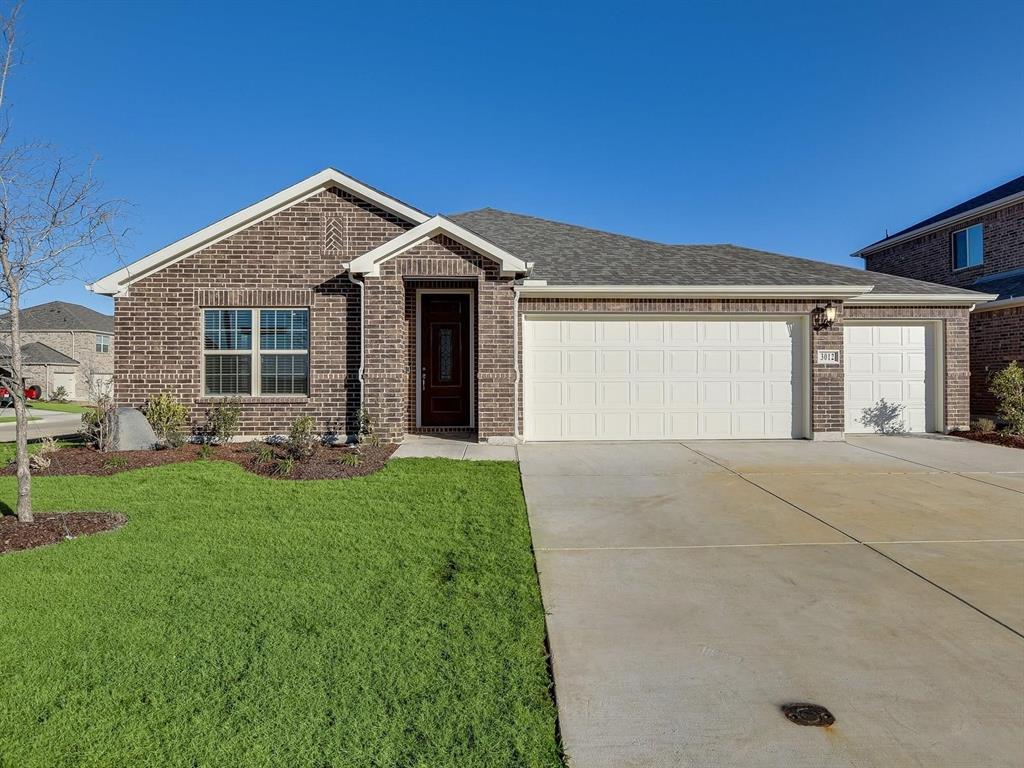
[390, 335]
[80, 345]
[930, 257]
[997, 338]
[291, 259]
[956, 352]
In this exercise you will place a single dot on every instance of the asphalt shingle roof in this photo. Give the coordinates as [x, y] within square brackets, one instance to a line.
[1008, 286]
[565, 254]
[36, 353]
[1012, 187]
[63, 316]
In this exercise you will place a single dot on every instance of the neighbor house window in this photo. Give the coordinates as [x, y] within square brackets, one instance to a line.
[968, 247]
[255, 352]
[102, 342]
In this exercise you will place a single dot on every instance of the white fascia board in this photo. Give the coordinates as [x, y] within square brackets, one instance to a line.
[919, 299]
[990, 306]
[369, 263]
[947, 222]
[696, 291]
[117, 282]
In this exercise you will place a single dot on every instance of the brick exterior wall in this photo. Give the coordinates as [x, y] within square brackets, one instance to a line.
[390, 375]
[81, 346]
[930, 257]
[997, 338]
[291, 259]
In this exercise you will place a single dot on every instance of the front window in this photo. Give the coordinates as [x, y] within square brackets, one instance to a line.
[968, 247]
[255, 352]
[102, 342]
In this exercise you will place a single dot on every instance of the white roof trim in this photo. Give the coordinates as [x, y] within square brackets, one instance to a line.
[1015, 301]
[697, 291]
[117, 282]
[369, 263]
[1002, 202]
[920, 299]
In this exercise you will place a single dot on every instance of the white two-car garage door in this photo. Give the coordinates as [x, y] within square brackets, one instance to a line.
[638, 378]
[895, 363]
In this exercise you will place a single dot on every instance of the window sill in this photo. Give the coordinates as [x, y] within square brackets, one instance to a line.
[251, 399]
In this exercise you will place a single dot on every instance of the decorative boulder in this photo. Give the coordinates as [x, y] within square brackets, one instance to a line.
[132, 432]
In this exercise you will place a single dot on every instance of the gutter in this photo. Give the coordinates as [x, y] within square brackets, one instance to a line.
[920, 299]
[541, 289]
[515, 363]
[951, 220]
[1010, 303]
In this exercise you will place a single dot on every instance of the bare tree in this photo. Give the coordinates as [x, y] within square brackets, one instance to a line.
[51, 220]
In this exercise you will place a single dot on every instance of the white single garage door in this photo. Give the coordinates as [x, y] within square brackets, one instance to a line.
[894, 363]
[66, 380]
[637, 378]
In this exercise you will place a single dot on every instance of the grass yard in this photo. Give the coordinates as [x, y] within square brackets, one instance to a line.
[389, 620]
[12, 419]
[62, 407]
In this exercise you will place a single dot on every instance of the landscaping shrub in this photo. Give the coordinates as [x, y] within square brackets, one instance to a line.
[205, 452]
[983, 425]
[351, 459]
[168, 418]
[285, 466]
[59, 395]
[365, 431]
[98, 426]
[222, 421]
[41, 458]
[301, 438]
[1008, 387]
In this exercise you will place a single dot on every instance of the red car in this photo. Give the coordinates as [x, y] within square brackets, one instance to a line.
[31, 393]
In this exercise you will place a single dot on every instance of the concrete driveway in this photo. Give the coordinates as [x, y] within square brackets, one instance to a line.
[694, 588]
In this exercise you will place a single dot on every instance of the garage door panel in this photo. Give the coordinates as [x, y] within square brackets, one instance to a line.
[892, 362]
[659, 379]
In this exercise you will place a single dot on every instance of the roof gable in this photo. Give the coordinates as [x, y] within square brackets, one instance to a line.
[117, 282]
[369, 263]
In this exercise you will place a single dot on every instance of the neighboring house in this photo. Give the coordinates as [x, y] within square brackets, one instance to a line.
[978, 244]
[332, 295]
[66, 345]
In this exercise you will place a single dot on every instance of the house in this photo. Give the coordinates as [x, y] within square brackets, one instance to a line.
[978, 244]
[66, 345]
[333, 299]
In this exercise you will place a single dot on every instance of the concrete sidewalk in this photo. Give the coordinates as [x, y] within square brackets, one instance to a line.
[692, 589]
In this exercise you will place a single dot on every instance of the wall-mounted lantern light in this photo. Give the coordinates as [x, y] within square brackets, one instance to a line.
[825, 316]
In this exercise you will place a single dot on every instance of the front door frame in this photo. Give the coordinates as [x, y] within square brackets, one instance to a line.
[472, 354]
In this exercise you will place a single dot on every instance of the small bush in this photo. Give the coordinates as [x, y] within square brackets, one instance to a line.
[1008, 387]
[350, 459]
[301, 438]
[222, 421]
[42, 457]
[285, 466]
[60, 395]
[365, 431]
[263, 455]
[168, 419]
[983, 425]
[205, 452]
[98, 424]
[116, 462]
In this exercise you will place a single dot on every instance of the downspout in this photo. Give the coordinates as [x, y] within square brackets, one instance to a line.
[515, 359]
[362, 345]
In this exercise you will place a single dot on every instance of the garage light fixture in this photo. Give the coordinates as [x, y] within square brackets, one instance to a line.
[824, 317]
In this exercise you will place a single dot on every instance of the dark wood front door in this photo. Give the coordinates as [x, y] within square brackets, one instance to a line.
[445, 347]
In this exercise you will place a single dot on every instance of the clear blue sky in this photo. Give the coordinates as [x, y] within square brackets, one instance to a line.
[805, 128]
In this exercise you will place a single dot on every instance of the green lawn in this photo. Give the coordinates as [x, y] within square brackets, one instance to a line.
[391, 620]
[12, 419]
[63, 407]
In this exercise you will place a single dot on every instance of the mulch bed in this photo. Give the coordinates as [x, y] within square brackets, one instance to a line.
[53, 528]
[996, 438]
[326, 463]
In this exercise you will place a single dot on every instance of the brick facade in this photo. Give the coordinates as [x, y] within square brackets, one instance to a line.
[930, 256]
[295, 258]
[997, 337]
[80, 346]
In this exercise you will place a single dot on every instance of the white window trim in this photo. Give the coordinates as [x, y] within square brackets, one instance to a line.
[952, 247]
[254, 352]
[472, 353]
[107, 341]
